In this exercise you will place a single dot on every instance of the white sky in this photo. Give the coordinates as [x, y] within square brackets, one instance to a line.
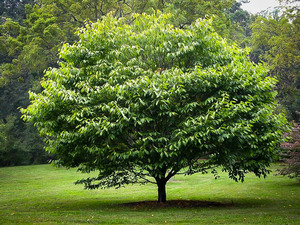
[255, 6]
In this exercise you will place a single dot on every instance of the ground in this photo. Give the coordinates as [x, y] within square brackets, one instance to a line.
[45, 195]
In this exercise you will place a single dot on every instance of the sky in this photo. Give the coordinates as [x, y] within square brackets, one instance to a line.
[255, 6]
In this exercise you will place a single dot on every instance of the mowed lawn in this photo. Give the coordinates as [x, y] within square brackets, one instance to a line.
[43, 194]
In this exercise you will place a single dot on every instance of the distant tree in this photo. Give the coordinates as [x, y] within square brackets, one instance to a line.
[14, 9]
[20, 144]
[241, 21]
[275, 40]
[187, 11]
[141, 102]
[32, 47]
[27, 48]
[9, 154]
[291, 153]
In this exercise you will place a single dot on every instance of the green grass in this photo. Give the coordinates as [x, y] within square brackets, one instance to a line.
[46, 195]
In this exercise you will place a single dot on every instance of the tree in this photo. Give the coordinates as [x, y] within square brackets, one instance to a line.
[14, 9]
[32, 31]
[276, 41]
[187, 11]
[241, 20]
[30, 46]
[20, 143]
[27, 48]
[9, 153]
[291, 153]
[144, 101]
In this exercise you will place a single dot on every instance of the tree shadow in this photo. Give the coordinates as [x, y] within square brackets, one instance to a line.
[107, 204]
[175, 204]
[221, 203]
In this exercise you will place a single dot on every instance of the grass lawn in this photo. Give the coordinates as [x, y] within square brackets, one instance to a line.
[43, 194]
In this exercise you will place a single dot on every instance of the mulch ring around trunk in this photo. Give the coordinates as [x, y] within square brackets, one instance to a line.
[175, 204]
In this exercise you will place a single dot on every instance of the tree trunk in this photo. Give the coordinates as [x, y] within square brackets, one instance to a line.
[162, 196]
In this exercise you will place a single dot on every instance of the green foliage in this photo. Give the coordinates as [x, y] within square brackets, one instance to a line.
[240, 30]
[147, 99]
[31, 32]
[31, 46]
[27, 48]
[24, 145]
[20, 143]
[8, 152]
[186, 12]
[276, 41]
[14, 9]
[291, 154]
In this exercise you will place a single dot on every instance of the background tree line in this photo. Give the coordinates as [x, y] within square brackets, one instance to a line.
[32, 32]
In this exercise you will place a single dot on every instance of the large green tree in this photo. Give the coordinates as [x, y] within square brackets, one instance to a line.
[30, 36]
[141, 102]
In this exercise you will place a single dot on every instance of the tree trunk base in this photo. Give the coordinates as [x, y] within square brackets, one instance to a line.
[162, 195]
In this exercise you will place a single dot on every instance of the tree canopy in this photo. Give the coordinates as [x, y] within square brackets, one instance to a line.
[32, 31]
[142, 101]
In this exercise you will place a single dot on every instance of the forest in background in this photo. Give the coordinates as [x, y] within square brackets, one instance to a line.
[32, 32]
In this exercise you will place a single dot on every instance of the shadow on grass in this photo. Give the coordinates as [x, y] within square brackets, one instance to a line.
[175, 204]
[119, 205]
[222, 203]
